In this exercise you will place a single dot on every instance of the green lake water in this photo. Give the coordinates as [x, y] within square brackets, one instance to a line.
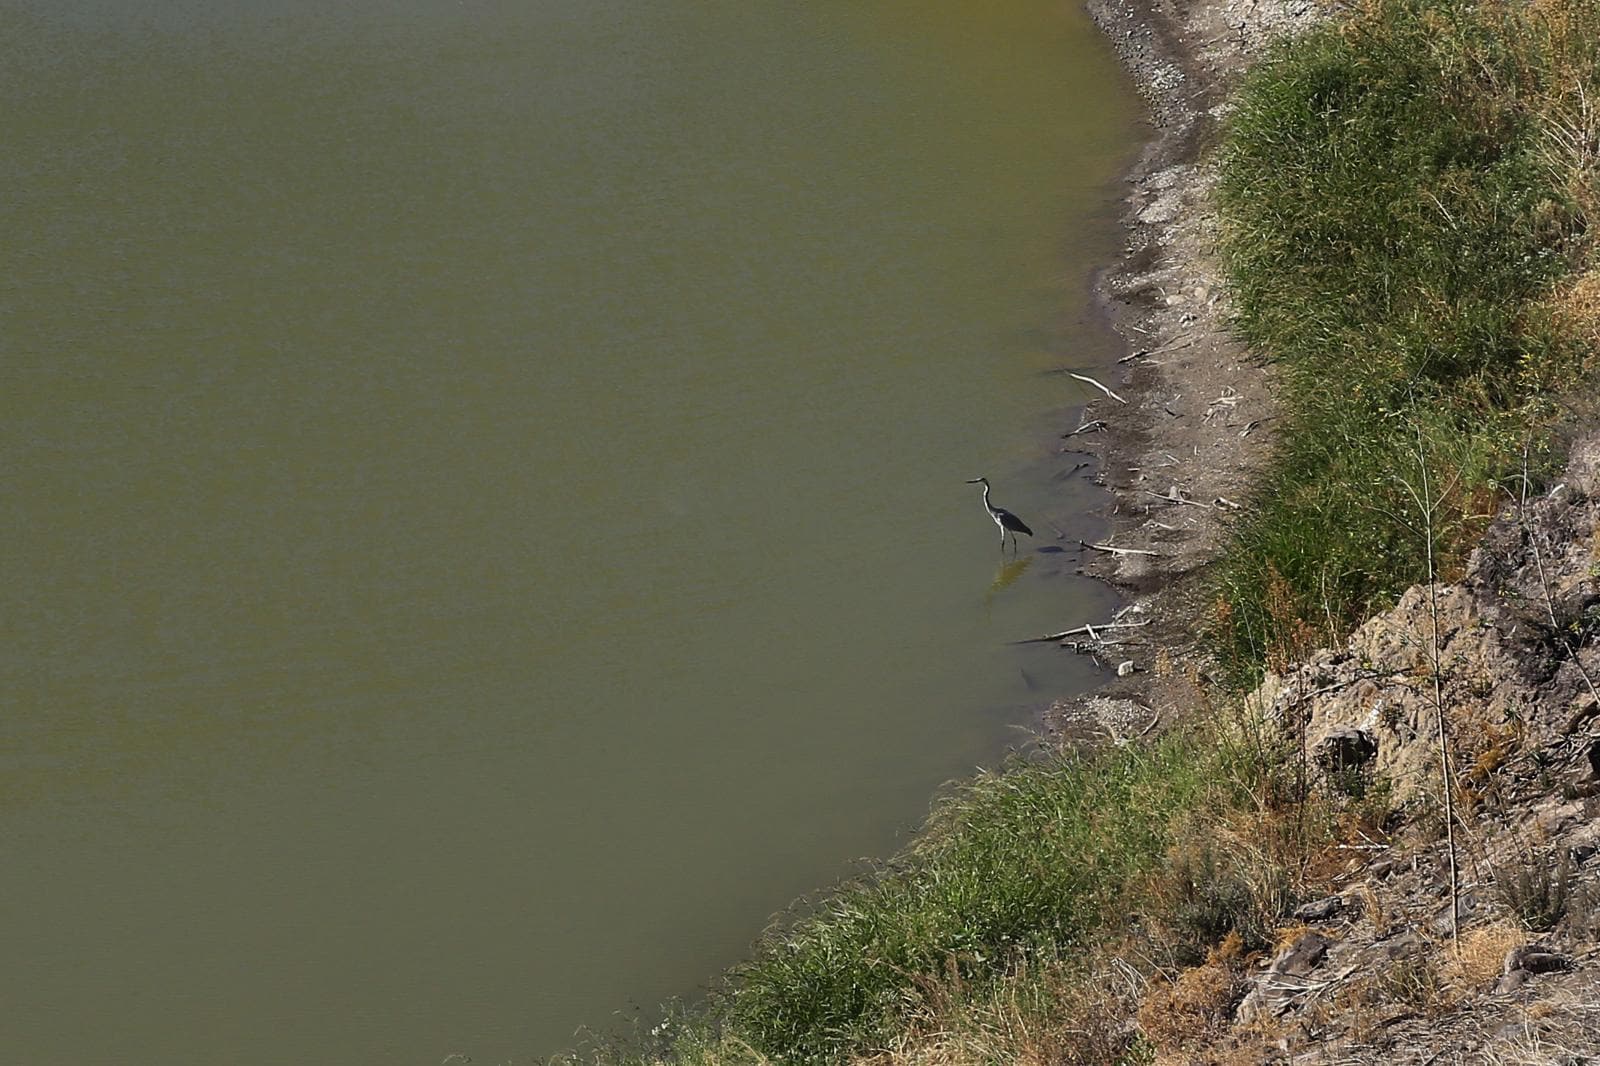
[482, 492]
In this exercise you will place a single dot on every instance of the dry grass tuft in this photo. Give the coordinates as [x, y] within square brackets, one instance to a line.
[1481, 957]
[1367, 1005]
[1193, 1010]
[1576, 307]
[1372, 908]
[1224, 875]
[1049, 1015]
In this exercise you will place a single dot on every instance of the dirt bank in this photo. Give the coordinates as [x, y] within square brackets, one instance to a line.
[1197, 424]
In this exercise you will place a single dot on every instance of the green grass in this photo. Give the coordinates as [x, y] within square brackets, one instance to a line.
[1013, 865]
[1393, 222]
[978, 944]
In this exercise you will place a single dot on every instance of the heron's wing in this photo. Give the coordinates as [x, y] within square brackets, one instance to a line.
[1015, 524]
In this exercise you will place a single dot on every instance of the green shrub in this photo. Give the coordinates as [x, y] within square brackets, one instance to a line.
[1392, 222]
[1014, 864]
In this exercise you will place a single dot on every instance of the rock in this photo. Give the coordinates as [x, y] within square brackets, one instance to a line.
[1126, 668]
[1320, 910]
[1346, 749]
[1536, 958]
[1555, 818]
[1399, 946]
[1301, 957]
[1162, 210]
[1511, 982]
[1584, 709]
[1466, 905]
[1298, 960]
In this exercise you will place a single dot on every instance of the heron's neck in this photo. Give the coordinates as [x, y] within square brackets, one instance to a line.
[985, 493]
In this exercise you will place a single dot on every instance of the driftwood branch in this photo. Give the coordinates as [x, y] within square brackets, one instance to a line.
[1146, 353]
[1088, 427]
[1096, 384]
[1090, 631]
[1110, 549]
[1175, 495]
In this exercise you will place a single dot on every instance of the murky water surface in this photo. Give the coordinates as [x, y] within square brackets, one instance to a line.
[481, 487]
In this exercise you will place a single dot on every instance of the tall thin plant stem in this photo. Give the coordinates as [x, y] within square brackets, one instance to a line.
[1427, 507]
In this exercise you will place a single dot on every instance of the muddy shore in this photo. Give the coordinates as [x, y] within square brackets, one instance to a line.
[1198, 423]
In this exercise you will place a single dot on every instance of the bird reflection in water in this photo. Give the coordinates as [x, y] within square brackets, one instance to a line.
[1006, 576]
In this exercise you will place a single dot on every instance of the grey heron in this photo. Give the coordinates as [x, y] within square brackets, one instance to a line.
[1009, 523]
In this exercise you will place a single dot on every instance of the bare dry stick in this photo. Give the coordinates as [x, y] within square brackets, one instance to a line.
[1426, 506]
[1112, 550]
[1088, 427]
[1095, 648]
[1091, 631]
[1096, 384]
[1176, 496]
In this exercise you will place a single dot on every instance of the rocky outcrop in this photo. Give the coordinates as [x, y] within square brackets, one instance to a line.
[1506, 655]
[1507, 970]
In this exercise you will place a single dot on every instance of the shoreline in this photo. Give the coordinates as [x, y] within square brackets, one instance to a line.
[1198, 425]
[1273, 876]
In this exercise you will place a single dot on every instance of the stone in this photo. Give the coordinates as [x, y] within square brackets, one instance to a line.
[1468, 903]
[1511, 982]
[1536, 958]
[1584, 708]
[1320, 910]
[1346, 749]
[1303, 956]
[1298, 960]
